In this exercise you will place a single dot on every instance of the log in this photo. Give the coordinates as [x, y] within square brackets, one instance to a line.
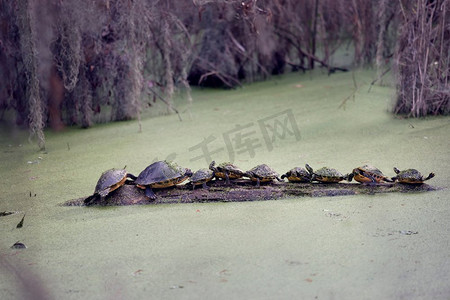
[243, 190]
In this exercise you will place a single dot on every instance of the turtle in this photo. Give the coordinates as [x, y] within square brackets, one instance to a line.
[109, 181]
[327, 175]
[201, 177]
[410, 176]
[262, 173]
[297, 174]
[161, 174]
[369, 174]
[226, 171]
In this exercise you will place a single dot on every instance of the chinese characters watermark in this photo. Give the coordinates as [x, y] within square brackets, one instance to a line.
[245, 139]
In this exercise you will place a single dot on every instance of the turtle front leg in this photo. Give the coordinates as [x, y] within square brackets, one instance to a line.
[149, 193]
[373, 181]
[227, 178]
[91, 199]
[258, 182]
[205, 186]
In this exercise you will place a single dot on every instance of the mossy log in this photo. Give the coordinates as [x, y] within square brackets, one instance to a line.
[243, 190]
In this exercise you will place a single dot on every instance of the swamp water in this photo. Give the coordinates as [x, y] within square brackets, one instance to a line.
[383, 246]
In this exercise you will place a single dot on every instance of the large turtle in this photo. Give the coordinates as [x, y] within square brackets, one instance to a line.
[226, 171]
[327, 175]
[262, 173]
[410, 176]
[369, 174]
[201, 177]
[109, 181]
[297, 174]
[161, 174]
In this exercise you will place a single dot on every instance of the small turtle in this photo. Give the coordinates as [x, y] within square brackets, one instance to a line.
[201, 177]
[262, 173]
[369, 174]
[327, 175]
[161, 174]
[226, 171]
[297, 175]
[109, 181]
[410, 176]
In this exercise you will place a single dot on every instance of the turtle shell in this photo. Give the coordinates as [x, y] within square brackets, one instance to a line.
[109, 181]
[326, 175]
[262, 172]
[202, 176]
[226, 168]
[297, 175]
[369, 174]
[162, 174]
[410, 176]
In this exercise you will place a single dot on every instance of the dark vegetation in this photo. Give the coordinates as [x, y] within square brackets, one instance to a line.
[422, 58]
[63, 62]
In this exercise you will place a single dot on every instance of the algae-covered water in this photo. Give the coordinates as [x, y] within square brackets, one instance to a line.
[383, 246]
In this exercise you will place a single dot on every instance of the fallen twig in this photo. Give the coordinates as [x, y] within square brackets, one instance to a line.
[352, 95]
[166, 102]
[378, 78]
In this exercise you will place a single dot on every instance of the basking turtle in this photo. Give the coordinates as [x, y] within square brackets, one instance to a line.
[297, 175]
[327, 175]
[226, 171]
[201, 177]
[369, 174]
[161, 174]
[410, 176]
[109, 181]
[262, 173]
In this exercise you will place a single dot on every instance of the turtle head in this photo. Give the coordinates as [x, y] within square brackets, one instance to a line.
[430, 176]
[131, 176]
[310, 170]
[188, 172]
[212, 166]
[356, 171]
[349, 177]
[396, 170]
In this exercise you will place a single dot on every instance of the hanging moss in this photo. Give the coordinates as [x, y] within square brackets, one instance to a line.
[28, 52]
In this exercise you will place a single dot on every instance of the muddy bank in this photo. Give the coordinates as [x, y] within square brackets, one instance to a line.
[243, 190]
